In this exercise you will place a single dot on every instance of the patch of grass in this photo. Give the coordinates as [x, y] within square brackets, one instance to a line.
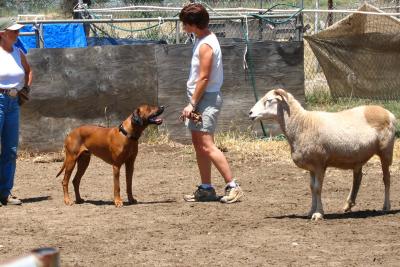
[250, 147]
[245, 146]
[322, 100]
[154, 135]
[318, 98]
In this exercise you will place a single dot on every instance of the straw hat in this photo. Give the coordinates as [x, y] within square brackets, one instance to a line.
[9, 24]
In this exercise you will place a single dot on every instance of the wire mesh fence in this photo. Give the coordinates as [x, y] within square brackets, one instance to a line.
[368, 74]
[226, 22]
[259, 20]
[364, 53]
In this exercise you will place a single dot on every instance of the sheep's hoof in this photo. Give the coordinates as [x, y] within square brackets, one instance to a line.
[347, 207]
[79, 201]
[311, 212]
[386, 207]
[317, 216]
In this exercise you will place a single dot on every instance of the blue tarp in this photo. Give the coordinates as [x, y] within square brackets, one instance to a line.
[99, 41]
[55, 36]
[72, 35]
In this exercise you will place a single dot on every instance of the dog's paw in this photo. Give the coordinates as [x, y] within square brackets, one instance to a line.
[68, 202]
[118, 203]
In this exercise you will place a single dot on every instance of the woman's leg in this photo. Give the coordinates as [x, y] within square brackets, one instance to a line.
[3, 180]
[204, 163]
[9, 145]
[207, 152]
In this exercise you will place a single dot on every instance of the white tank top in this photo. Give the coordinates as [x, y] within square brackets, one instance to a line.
[217, 73]
[12, 74]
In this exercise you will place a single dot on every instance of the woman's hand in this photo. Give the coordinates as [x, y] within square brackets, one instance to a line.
[187, 111]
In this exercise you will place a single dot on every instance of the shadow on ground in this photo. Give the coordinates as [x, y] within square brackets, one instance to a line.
[361, 214]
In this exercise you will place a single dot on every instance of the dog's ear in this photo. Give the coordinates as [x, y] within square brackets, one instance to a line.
[136, 119]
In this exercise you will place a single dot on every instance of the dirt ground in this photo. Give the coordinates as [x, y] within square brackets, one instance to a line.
[267, 228]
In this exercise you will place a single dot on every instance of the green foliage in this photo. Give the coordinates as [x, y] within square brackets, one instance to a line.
[138, 2]
[319, 97]
[306, 3]
[324, 3]
[150, 34]
[100, 1]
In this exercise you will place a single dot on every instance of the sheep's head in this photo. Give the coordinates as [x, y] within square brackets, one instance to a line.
[267, 107]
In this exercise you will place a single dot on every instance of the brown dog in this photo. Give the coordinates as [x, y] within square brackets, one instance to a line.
[116, 146]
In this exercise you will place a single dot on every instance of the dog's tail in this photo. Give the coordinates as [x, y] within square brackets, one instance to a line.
[62, 168]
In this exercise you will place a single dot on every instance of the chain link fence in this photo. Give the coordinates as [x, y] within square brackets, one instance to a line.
[236, 22]
[369, 59]
[283, 22]
[241, 20]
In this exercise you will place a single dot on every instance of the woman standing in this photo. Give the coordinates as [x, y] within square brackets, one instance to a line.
[15, 74]
[203, 90]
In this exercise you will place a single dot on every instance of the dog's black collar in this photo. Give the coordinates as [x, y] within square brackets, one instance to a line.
[124, 132]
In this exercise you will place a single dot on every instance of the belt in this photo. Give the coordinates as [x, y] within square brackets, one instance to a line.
[10, 92]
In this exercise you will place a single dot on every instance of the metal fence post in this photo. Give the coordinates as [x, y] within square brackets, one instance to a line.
[177, 31]
[330, 15]
[316, 29]
[299, 27]
[39, 35]
[316, 17]
[260, 23]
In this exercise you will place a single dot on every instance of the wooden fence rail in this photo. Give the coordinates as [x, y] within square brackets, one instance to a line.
[102, 85]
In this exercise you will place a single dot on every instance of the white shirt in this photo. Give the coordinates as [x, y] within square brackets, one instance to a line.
[12, 73]
[217, 73]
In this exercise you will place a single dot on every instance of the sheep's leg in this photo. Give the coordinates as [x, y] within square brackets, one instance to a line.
[316, 190]
[386, 182]
[313, 195]
[351, 199]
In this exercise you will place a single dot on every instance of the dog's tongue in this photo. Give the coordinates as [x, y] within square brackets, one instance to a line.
[156, 121]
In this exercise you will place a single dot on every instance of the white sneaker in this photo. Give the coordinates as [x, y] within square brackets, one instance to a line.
[232, 194]
[11, 200]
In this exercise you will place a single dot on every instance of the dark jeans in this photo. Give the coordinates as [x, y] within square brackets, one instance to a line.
[9, 131]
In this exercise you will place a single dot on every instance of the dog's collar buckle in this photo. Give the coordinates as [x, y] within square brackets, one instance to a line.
[124, 132]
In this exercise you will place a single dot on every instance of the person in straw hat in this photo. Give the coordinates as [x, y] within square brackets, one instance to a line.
[15, 75]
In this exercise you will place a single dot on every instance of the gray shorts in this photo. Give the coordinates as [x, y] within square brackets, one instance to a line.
[209, 107]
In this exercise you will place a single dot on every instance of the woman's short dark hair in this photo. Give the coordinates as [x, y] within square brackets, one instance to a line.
[195, 14]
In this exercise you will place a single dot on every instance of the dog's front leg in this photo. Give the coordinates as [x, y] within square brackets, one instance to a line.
[129, 167]
[117, 196]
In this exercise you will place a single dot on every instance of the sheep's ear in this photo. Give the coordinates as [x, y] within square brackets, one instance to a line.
[282, 93]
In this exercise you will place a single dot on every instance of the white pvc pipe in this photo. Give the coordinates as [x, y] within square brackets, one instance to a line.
[239, 9]
[28, 261]
[126, 20]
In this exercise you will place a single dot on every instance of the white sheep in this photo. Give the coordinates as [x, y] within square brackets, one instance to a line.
[346, 140]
